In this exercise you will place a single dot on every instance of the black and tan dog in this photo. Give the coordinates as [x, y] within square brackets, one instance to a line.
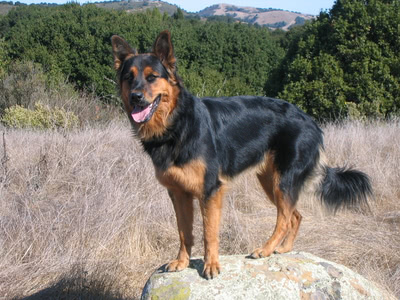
[197, 145]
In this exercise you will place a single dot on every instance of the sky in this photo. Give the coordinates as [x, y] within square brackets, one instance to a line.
[312, 7]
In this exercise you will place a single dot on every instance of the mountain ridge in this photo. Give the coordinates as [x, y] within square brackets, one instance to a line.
[272, 18]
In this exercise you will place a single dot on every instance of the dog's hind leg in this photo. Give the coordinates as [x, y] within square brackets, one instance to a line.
[183, 205]
[286, 224]
[287, 244]
[282, 228]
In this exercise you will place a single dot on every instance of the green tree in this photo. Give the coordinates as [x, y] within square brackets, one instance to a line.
[347, 57]
[75, 40]
[178, 15]
[3, 57]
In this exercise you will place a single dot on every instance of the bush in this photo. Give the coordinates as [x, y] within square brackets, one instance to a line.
[3, 57]
[25, 83]
[42, 117]
[22, 85]
[211, 83]
[344, 63]
[75, 40]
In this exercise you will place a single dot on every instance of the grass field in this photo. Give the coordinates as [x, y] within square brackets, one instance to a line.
[83, 217]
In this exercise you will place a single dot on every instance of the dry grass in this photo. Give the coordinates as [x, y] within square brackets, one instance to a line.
[26, 84]
[82, 216]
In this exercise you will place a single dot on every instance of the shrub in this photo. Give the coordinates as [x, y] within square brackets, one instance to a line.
[22, 85]
[26, 83]
[41, 117]
[346, 55]
[3, 57]
[75, 40]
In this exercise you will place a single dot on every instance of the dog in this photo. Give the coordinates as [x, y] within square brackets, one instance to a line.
[198, 145]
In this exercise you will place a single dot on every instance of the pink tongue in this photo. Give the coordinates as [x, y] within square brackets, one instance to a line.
[139, 114]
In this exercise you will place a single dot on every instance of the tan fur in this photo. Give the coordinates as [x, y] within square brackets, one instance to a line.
[118, 62]
[294, 225]
[288, 218]
[268, 175]
[121, 51]
[125, 95]
[157, 125]
[159, 122]
[188, 178]
[168, 59]
[211, 212]
[149, 71]
[184, 182]
[135, 71]
[183, 205]
[269, 178]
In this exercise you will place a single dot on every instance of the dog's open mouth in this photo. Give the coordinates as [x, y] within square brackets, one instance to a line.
[142, 114]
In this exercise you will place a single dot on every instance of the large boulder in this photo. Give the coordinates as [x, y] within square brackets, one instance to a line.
[295, 275]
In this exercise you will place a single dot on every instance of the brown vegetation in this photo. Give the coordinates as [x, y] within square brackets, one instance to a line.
[272, 18]
[82, 215]
[26, 85]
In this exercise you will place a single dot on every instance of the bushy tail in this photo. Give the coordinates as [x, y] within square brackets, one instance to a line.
[345, 188]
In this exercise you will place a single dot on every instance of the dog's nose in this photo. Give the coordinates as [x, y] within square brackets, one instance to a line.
[137, 96]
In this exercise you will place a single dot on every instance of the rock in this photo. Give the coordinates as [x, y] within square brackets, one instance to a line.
[294, 275]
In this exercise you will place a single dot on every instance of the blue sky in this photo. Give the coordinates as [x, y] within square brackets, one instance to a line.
[308, 7]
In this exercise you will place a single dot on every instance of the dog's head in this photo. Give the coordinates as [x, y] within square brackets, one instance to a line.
[148, 83]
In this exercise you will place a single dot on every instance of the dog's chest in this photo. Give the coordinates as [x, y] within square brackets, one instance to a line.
[188, 177]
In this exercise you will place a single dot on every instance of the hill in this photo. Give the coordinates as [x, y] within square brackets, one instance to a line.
[127, 5]
[134, 6]
[5, 7]
[272, 18]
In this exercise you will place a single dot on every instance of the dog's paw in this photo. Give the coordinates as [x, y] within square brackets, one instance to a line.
[211, 269]
[260, 253]
[283, 249]
[177, 265]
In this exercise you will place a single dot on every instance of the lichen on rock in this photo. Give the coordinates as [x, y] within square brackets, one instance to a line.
[294, 275]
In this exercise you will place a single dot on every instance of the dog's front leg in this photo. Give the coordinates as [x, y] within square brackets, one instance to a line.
[211, 212]
[183, 205]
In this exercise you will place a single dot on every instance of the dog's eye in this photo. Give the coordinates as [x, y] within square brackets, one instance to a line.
[151, 78]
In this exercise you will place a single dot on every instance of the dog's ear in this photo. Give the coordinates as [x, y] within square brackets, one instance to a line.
[121, 50]
[164, 50]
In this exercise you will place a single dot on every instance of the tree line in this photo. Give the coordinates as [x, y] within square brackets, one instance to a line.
[345, 62]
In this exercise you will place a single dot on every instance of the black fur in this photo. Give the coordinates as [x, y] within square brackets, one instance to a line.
[140, 63]
[231, 134]
[345, 188]
[196, 144]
